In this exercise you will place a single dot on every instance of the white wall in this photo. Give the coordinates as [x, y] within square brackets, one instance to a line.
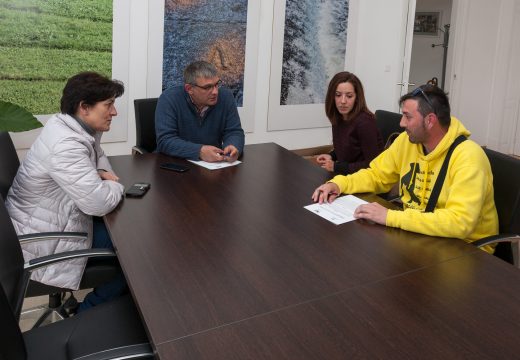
[504, 111]
[485, 91]
[426, 61]
[512, 107]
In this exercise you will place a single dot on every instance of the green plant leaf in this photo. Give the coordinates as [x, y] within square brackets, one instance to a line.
[15, 118]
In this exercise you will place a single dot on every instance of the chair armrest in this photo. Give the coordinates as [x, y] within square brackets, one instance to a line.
[68, 255]
[52, 259]
[137, 351]
[35, 237]
[138, 150]
[514, 238]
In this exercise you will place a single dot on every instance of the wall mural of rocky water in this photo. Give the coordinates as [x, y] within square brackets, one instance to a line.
[315, 38]
[211, 30]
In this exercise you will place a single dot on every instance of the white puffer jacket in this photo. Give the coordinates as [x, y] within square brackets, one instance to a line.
[58, 188]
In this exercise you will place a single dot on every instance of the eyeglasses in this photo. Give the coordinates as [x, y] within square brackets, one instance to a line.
[420, 91]
[209, 87]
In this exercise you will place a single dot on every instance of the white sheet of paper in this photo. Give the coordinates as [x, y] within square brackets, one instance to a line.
[215, 165]
[339, 211]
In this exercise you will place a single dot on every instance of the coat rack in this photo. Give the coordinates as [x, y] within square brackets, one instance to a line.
[444, 44]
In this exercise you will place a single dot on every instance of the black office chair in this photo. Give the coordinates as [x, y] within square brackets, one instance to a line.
[108, 331]
[97, 271]
[9, 163]
[388, 124]
[506, 184]
[145, 125]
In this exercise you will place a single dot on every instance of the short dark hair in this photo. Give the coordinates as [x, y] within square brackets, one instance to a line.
[330, 104]
[431, 98]
[199, 69]
[89, 87]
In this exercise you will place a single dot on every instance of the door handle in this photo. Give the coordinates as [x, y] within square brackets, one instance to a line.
[406, 84]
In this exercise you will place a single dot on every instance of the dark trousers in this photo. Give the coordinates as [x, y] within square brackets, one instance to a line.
[112, 289]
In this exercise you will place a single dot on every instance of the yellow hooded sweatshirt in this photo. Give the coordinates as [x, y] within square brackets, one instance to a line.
[465, 208]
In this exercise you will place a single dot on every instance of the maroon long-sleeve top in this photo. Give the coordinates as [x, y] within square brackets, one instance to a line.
[356, 142]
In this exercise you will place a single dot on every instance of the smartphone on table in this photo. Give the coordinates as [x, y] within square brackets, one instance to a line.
[174, 167]
[137, 189]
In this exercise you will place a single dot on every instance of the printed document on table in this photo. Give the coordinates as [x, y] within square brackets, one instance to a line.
[215, 165]
[339, 211]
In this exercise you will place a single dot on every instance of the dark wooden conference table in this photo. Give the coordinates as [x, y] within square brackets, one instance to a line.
[227, 264]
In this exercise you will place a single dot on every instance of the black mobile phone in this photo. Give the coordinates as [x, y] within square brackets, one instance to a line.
[137, 189]
[174, 167]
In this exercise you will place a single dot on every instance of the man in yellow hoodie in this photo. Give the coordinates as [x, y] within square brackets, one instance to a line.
[465, 208]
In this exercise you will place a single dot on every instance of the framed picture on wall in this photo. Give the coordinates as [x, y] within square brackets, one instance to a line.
[426, 23]
[308, 48]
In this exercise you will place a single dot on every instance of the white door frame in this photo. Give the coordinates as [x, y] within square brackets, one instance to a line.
[407, 57]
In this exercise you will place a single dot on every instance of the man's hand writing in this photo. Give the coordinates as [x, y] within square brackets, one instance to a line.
[211, 153]
[230, 153]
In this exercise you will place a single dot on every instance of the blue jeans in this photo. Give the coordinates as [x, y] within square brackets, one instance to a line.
[115, 287]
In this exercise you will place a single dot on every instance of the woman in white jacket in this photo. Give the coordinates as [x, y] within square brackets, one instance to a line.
[66, 180]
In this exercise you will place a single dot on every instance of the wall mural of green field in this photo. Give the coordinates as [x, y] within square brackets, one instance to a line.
[44, 42]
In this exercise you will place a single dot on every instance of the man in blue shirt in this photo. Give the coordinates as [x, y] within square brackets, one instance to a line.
[199, 121]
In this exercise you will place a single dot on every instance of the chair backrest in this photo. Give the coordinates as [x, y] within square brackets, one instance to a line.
[506, 184]
[9, 163]
[145, 123]
[12, 272]
[388, 124]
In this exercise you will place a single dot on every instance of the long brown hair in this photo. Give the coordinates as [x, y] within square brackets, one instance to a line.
[330, 104]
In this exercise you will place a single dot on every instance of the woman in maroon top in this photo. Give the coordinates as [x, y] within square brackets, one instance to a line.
[355, 136]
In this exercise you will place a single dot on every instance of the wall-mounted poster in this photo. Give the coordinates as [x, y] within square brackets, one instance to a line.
[45, 42]
[315, 39]
[308, 49]
[214, 31]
